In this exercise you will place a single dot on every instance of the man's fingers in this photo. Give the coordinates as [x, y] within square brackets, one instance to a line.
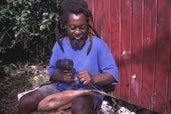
[76, 78]
[68, 77]
[82, 72]
[82, 79]
[70, 80]
[85, 82]
[67, 71]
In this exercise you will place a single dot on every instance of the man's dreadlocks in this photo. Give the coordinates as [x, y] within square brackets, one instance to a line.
[74, 6]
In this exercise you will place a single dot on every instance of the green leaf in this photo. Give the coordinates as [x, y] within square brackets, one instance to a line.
[42, 27]
[16, 34]
[14, 28]
[45, 21]
[12, 66]
[34, 34]
[28, 11]
[51, 16]
[45, 13]
[20, 1]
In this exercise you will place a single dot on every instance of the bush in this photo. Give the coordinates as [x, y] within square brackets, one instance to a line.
[27, 29]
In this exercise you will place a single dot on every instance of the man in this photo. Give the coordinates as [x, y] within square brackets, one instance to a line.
[93, 62]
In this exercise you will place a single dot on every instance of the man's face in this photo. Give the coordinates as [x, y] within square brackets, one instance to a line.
[77, 30]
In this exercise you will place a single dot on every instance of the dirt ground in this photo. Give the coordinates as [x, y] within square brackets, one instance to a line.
[23, 79]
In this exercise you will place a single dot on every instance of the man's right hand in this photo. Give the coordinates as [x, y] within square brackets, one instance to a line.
[65, 76]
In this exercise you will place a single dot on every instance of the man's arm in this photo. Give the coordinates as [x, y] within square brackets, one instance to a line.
[106, 65]
[101, 79]
[63, 77]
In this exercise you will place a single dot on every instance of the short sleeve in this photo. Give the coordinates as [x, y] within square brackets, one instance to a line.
[106, 61]
[54, 57]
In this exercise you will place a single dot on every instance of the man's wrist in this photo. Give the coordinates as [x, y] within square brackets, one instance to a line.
[93, 81]
[57, 76]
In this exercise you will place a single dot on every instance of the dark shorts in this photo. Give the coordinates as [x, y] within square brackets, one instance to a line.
[48, 89]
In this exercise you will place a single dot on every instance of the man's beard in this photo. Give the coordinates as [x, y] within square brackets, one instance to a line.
[78, 44]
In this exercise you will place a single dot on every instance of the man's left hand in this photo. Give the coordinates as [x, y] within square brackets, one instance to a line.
[84, 77]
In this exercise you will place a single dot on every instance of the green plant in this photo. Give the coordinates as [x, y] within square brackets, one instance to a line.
[27, 25]
[10, 67]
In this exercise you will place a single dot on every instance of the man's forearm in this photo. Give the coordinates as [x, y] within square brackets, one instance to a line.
[57, 76]
[65, 76]
[102, 79]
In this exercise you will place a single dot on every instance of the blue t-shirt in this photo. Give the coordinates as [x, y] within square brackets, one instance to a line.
[99, 60]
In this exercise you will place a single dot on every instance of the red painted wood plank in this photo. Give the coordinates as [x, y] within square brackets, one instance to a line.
[168, 107]
[98, 8]
[106, 23]
[162, 56]
[116, 36]
[137, 53]
[149, 55]
[125, 61]
[90, 5]
[91, 8]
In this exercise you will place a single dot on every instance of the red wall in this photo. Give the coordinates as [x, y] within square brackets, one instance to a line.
[138, 33]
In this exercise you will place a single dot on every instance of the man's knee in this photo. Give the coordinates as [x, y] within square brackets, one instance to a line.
[82, 105]
[26, 100]
[30, 101]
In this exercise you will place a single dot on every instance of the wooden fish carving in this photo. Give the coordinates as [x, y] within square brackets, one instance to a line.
[58, 100]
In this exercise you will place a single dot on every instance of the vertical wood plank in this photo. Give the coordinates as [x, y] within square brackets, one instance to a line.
[106, 23]
[162, 56]
[90, 6]
[168, 107]
[92, 9]
[125, 61]
[137, 53]
[98, 18]
[149, 34]
[116, 36]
